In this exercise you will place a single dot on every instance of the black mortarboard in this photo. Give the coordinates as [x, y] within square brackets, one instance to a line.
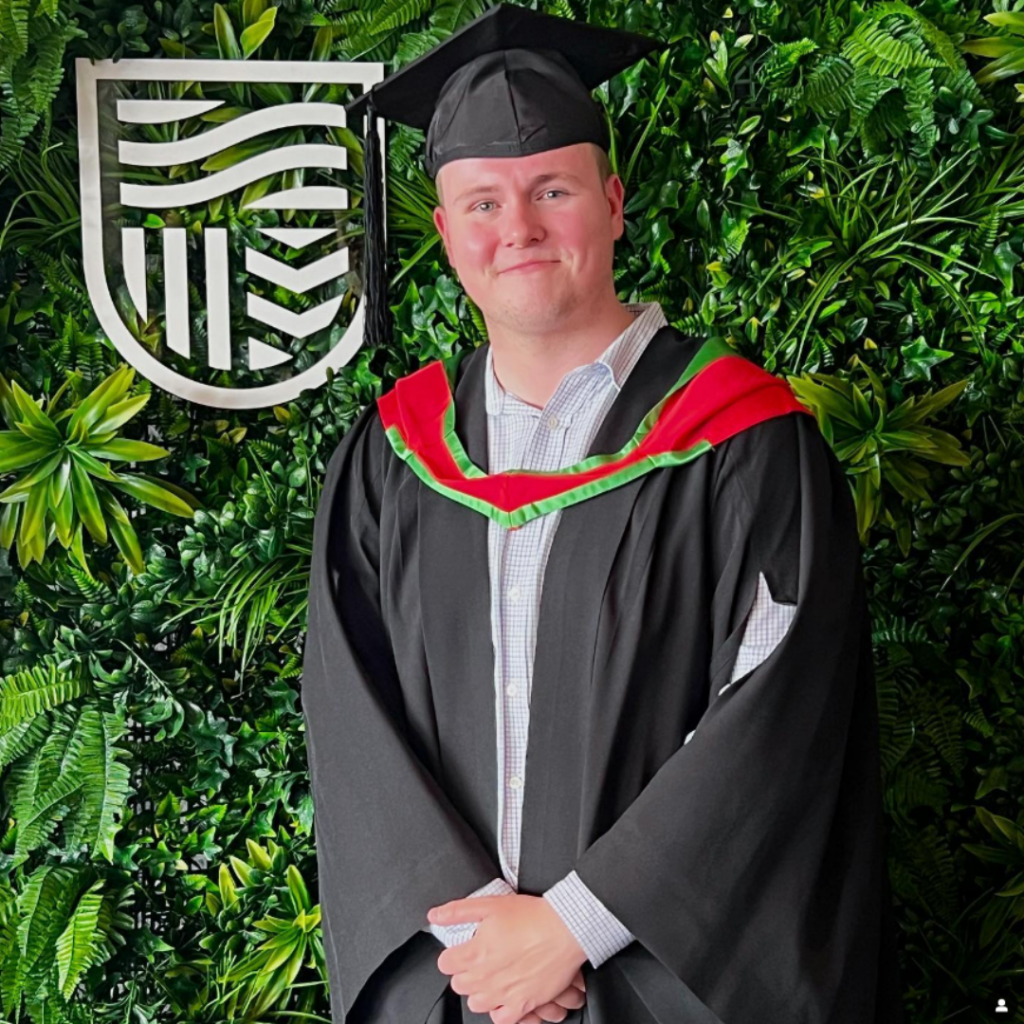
[510, 83]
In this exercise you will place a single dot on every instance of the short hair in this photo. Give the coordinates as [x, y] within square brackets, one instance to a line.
[604, 165]
[604, 169]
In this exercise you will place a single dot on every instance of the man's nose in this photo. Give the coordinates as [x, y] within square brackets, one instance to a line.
[522, 224]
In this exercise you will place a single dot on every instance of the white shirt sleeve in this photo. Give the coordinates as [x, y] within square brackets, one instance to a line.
[766, 626]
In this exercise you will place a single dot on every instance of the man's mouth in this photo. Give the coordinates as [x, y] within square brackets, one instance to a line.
[529, 265]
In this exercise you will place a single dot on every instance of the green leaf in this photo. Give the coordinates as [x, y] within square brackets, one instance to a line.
[112, 506]
[243, 870]
[77, 550]
[815, 136]
[911, 412]
[1005, 260]
[93, 407]
[8, 525]
[996, 825]
[734, 159]
[190, 499]
[120, 413]
[297, 888]
[223, 114]
[322, 43]
[106, 786]
[34, 517]
[87, 503]
[258, 856]
[920, 357]
[227, 44]
[228, 893]
[125, 450]
[34, 432]
[1012, 20]
[80, 944]
[59, 481]
[252, 10]
[39, 919]
[254, 35]
[235, 154]
[41, 472]
[34, 415]
[63, 513]
[8, 406]
[92, 465]
[257, 189]
[173, 48]
[127, 541]
[273, 92]
[152, 492]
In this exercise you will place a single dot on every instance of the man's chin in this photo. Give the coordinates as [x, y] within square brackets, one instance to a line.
[530, 317]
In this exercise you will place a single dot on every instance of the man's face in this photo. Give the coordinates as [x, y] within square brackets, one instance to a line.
[551, 211]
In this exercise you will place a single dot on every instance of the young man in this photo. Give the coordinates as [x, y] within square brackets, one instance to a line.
[588, 680]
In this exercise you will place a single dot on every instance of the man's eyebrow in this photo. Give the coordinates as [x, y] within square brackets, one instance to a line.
[539, 180]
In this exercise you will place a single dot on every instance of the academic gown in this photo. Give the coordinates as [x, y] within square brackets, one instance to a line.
[737, 831]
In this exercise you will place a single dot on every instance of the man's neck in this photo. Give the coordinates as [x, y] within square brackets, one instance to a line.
[532, 367]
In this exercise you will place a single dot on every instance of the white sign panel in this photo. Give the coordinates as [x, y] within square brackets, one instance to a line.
[194, 302]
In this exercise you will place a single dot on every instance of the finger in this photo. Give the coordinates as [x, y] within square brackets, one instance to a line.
[472, 908]
[551, 1012]
[572, 998]
[504, 1015]
[579, 982]
[531, 1018]
[460, 957]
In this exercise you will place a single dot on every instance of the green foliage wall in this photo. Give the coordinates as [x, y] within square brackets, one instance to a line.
[836, 189]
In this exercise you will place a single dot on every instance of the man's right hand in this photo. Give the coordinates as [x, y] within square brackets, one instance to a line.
[571, 999]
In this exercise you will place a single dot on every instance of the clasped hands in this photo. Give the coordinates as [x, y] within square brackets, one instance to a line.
[522, 965]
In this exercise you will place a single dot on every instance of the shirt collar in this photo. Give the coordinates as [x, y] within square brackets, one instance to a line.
[618, 359]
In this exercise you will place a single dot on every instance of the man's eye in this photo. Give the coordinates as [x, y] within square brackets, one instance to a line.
[486, 202]
[560, 192]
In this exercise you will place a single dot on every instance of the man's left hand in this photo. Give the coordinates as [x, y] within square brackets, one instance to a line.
[521, 956]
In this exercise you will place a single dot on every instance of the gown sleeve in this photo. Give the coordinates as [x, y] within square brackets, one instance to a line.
[389, 843]
[751, 864]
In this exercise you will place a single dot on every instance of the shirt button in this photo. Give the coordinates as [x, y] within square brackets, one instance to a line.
[515, 782]
[552, 422]
[511, 689]
[513, 593]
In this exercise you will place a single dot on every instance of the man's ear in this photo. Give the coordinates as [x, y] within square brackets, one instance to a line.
[616, 194]
[441, 223]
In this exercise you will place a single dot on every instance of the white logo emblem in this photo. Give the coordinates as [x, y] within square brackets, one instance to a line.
[231, 303]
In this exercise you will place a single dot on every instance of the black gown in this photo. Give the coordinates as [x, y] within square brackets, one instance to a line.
[748, 861]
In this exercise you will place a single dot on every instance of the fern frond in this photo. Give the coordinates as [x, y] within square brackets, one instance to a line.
[14, 28]
[41, 916]
[80, 944]
[40, 808]
[24, 737]
[830, 85]
[93, 590]
[935, 873]
[783, 59]
[107, 784]
[30, 692]
[886, 51]
[398, 14]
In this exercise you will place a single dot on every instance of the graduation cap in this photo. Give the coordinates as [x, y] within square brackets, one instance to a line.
[510, 83]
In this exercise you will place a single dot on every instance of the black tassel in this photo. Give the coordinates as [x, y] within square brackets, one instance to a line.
[377, 325]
